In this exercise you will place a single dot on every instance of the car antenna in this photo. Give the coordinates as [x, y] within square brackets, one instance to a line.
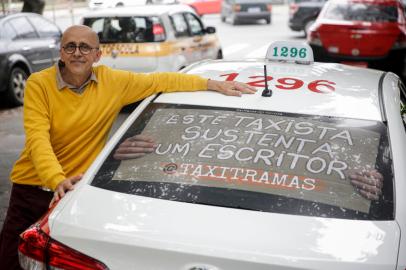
[267, 92]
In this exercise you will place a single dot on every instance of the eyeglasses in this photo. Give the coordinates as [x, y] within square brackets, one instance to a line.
[70, 48]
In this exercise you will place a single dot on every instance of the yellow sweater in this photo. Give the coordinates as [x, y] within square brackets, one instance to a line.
[65, 131]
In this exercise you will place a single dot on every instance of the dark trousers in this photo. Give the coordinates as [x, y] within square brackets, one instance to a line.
[27, 204]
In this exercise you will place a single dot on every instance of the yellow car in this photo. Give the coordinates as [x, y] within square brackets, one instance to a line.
[152, 38]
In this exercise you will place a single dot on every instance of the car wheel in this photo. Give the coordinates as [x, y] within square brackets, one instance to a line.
[307, 26]
[120, 4]
[223, 18]
[268, 20]
[16, 86]
[219, 54]
[234, 20]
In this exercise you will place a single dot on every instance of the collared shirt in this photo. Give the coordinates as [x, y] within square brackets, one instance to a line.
[62, 84]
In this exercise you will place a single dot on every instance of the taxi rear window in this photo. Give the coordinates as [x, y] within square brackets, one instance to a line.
[350, 11]
[136, 29]
[255, 160]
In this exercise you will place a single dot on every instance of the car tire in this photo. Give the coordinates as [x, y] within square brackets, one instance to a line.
[120, 4]
[219, 54]
[307, 26]
[223, 18]
[16, 86]
[234, 20]
[268, 20]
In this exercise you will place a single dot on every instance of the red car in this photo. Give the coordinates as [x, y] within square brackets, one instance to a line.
[369, 33]
[204, 6]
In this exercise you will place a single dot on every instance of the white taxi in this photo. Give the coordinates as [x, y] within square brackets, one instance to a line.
[255, 182]
[153, 38]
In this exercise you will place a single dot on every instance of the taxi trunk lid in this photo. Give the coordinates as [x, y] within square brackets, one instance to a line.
[133, 232]
[362, 39]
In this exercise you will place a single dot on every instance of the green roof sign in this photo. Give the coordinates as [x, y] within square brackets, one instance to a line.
[292, 51]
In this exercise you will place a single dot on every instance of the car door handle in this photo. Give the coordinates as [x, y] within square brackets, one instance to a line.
[26, 48]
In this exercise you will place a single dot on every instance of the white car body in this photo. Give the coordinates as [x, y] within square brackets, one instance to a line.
[127, 231]
[99, 4]
[169, 51]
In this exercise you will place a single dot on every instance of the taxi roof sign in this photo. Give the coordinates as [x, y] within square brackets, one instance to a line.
[292, 51]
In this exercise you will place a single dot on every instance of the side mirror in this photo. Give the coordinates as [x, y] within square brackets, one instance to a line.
[210, 30]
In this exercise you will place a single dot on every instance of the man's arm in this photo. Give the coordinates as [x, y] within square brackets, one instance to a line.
[38, 141]
[137, 86]
[37, 131]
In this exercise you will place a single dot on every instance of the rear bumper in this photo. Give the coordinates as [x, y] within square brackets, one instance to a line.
[253, 16]
[393, 61]
[295, 24]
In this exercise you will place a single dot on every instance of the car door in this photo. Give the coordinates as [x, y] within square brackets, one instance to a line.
[50, 35]
[196, 31]
[28, 44]
[185, 46]
[207, 43]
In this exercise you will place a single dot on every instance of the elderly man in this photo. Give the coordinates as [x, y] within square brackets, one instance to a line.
[68, 112]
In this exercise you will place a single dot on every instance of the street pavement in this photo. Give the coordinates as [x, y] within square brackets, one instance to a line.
[12, 141]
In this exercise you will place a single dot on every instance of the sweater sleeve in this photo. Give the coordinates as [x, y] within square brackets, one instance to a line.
[141, 85]
[37, 131]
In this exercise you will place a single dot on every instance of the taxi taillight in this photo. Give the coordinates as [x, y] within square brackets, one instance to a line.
[236, 8]
[314, 38]
[37, 250]
[159, 32]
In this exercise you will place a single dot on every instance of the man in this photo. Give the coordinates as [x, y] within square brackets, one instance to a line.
[68, 112]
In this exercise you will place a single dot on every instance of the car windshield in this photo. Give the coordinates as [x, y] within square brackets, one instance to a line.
[257, 160]
[123, 29]
[351, 11]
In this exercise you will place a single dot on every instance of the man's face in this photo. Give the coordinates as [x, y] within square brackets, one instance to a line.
[79, 50]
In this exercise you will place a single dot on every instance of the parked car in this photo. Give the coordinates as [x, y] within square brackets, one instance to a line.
[246, 10]
[153, 37]
[361, 32]
[97, 4]
[303, 13]
[28, 43]
[203, 7]
[255, 182]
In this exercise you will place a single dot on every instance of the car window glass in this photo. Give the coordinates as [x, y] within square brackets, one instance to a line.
[44, 28]
[23, 28]
[8, 32]
[362, 12]
[196, 27]
[180, 25]
[123, 29]
[257, 160]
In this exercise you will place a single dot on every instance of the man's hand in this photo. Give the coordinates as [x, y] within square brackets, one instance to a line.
[135, 147]
[229, 88]
[369, 183]
[63, 187]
